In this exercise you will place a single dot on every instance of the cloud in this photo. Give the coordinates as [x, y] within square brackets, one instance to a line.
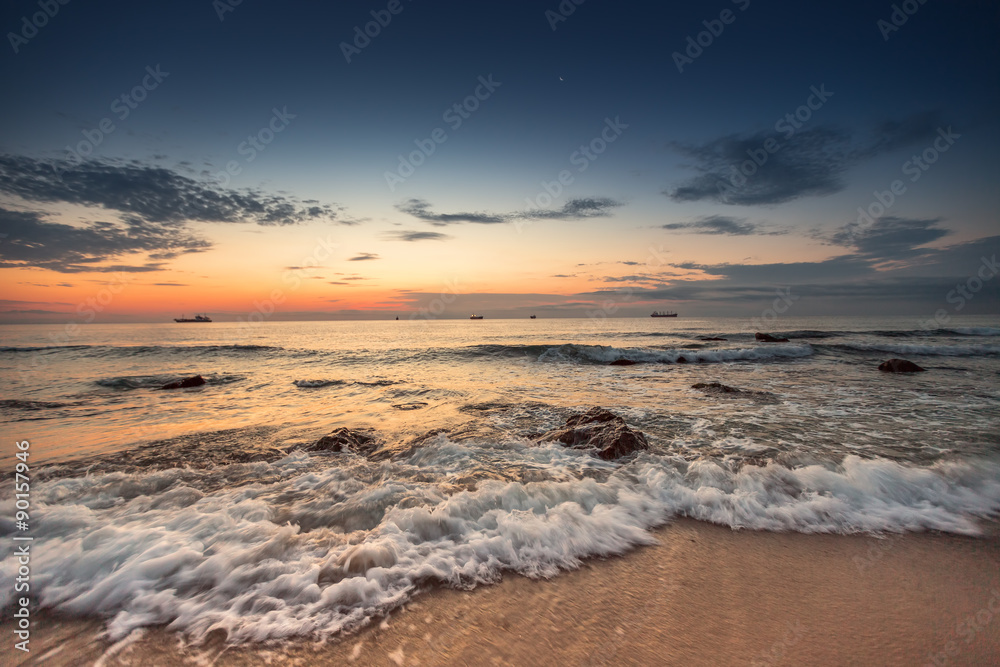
[34, 242]
[411, 235]
[811, 162]
[171, 285]
[152, 193]
[889, 237]
[721, 224]
[363, 257]
[574, 209]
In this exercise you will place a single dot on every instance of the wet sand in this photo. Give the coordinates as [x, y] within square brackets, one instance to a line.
[704, 595]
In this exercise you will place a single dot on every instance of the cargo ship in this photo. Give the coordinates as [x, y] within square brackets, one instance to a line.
[197, 318]
[665, 313]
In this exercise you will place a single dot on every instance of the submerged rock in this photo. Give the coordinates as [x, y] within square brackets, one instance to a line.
[344, 439]
[900, 366]
[600, 430]
[768, 338]
[416, 405]
[718, 389]
[193, 381]
[623, 362]
[711, 338]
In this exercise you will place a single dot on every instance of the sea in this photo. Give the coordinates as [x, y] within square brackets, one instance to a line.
[204, 510]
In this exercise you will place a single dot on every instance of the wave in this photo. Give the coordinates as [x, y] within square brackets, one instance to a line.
[974, 331]
[605, 354]
[157, 381]
[921, 350]
[142, 350]
[316, 384]
[262, 563]
[32, 405]
[41, 348]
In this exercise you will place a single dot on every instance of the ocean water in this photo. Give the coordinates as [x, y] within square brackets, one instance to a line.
[201, 509]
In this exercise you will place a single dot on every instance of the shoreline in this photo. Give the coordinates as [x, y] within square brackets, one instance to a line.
[704, 595]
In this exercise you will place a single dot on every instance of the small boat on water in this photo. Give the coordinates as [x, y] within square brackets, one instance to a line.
[196, 318]
[665, 313]
[532, 317]
[475, 317]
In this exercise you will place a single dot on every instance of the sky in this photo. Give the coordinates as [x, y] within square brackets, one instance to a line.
[304, 161]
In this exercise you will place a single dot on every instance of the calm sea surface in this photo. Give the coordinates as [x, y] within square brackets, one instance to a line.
[200, 508]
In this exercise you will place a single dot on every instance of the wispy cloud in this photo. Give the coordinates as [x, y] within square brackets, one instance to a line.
[34, 242]
[363, 257]
[811, 162]
[574, 209]
[412, 235]
[721, 224]
[151, 193]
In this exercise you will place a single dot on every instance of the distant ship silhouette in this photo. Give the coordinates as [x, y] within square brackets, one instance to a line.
[197, 318]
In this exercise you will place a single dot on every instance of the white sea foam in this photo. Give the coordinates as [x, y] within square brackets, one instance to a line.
[322, 550]
[606, 354]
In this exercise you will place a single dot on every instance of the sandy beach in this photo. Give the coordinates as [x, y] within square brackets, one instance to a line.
[704, 595]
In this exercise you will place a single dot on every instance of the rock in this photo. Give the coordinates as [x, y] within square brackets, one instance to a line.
[603, 431]
[193, 381]
[717, 388]
[344, 439]
[623, 362]
[710, 338]
[900, 366]
[416, 405]
[768, 338]
[681, 360]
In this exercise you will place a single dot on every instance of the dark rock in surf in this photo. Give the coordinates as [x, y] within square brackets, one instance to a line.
[719, 389]
[194, 381]
[768, 338]
[716, 388]
[623, 362]
[344, 439]
[681, 360]
[416, 405]
[900, 366]
[600, 430]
